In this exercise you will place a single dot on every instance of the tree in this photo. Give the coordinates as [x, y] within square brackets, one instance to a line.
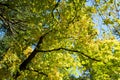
[53, 40]
[109, 12]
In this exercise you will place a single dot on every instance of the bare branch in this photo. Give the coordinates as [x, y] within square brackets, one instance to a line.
[89, 57]
[39, 72]
[56, 5]
[3, 4]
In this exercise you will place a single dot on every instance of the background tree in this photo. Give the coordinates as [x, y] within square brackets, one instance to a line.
[53, 40]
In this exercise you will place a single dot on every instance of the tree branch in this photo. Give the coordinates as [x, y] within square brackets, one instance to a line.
[37, 72]
[76, 51]
[31, 56]
[3, 4]
[56, 5]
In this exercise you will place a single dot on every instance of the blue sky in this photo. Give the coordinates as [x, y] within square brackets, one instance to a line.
[99, 25]
[2, 32]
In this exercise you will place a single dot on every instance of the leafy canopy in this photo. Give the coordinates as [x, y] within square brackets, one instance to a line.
[56, 40]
